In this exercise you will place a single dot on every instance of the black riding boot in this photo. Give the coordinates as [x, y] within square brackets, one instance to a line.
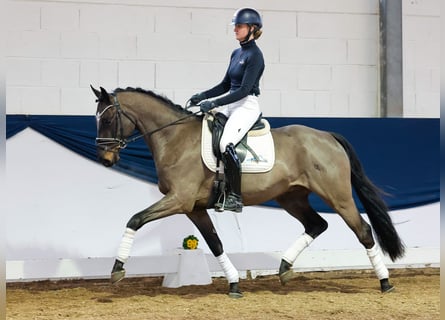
[232, 171]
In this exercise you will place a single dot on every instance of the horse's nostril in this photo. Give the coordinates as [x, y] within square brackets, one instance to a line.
[107, 163]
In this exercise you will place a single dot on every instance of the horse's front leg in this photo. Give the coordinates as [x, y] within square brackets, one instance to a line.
[167, 206]
[202, 221]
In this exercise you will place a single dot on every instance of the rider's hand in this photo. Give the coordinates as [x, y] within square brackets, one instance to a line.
[197, 98]
[206, 106]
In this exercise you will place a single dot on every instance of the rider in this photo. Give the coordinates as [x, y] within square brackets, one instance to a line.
[240, 105]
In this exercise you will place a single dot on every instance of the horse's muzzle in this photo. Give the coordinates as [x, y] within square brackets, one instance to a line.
[108, 158]
[107, 163]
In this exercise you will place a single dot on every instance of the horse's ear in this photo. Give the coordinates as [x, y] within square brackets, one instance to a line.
[101, 95]
[104, 96]
[96, 92]
[103, 91]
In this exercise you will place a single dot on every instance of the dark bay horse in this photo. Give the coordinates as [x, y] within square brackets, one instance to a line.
[306, 161]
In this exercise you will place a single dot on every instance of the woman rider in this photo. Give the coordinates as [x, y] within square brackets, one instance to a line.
[240, 105]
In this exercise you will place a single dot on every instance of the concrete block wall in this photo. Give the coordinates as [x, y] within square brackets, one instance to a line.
[321, 56]
[421, 56]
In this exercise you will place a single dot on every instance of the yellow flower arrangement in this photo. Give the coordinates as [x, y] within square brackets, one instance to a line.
[190, 242]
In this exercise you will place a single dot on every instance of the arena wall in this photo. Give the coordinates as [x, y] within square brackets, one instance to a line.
[66, 215]
[322, 61]
[322, 56]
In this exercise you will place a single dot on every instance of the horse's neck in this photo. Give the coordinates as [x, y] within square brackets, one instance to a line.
[170, 135]
[150, 113]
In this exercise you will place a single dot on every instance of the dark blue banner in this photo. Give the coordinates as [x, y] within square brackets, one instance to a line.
[401, 156]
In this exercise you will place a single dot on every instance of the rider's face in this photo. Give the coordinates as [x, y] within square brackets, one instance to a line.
[241, 30]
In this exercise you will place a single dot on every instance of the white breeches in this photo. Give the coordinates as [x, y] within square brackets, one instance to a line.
[241, 116]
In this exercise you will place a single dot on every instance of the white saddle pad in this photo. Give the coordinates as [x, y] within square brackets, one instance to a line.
[261, 143]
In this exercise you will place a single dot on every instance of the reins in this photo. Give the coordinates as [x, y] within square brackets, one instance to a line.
[149, 133]
[122, 143]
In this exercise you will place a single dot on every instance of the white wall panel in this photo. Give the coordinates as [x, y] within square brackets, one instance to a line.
[28, 19]
[75, 102]
[362, 52]
[179, 75]
[298, 103]
[313, 51]
[79, 45]
[33, 44]
[176, 21]
[217, 50]
[45, 100]
[421, 50]
[60, 73]
[23, 72]
[117, 46]
[271, 99]
[116, 19]
[349, 78]
[162, 48]
[60, 17]
[209, 22]
[281, 77]
[67, 221]
[362, 104]
[280, 24]
[98, 73]
[138, 73]
[338, 26]
[315, 77]
[103, 35]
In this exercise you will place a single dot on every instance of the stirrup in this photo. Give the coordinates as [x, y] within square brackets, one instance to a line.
[232, 202]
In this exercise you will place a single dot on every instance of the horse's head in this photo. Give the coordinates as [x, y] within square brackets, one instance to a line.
[114, 126]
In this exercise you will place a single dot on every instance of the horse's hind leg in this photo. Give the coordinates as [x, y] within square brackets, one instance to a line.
[204, 224]
[297, 204]
[350, 214]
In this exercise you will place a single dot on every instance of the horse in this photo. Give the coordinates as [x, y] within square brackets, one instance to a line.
[307, 161]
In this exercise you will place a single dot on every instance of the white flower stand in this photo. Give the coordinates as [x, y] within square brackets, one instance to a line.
[192, 270]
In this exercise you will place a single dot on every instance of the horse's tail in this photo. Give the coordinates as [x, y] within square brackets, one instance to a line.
[373, 203]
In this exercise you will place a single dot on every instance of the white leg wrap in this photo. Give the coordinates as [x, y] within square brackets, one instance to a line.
[376, 258]
[229, 270]
[302, 243]
[126, 244]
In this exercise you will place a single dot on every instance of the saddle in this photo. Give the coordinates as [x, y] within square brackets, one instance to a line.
[216, 125]
[255, 151]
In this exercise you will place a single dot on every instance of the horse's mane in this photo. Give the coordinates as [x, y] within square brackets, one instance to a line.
[164, 99]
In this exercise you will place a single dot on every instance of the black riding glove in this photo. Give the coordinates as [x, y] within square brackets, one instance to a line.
[197, 98]
[206, 106]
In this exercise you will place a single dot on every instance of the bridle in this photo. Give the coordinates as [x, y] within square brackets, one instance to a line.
[118, 141]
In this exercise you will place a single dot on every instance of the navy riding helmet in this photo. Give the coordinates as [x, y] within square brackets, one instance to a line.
[247, 16]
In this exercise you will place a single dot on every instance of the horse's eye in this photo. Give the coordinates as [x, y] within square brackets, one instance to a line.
[106, 122]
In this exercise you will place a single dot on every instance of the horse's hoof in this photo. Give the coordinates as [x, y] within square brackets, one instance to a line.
[234, 291]
[385, 286]
[235, 295]
[286, 276]
[117, 276]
